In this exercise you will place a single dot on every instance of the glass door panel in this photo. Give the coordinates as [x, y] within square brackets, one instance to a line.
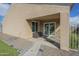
[46, 29]
[52, 28]
[49, 28]
[34, 26]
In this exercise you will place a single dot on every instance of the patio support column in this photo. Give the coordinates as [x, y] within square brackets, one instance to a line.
[64, 31]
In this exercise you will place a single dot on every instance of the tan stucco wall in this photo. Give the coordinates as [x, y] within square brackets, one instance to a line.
[64, 31]
[15, 20]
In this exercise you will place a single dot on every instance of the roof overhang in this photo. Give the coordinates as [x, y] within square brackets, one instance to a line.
[45, 18]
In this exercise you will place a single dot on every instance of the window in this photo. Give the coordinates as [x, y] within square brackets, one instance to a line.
[34, 26]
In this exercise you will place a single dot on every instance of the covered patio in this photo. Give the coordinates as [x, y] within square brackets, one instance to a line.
[46, 26]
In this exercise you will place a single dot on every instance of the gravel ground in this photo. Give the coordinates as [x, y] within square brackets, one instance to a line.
[48, 51]
[24, 45]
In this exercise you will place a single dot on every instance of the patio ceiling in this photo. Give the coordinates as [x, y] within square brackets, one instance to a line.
[46, 17]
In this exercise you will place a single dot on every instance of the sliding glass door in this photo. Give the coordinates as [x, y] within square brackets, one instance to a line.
[49, 28]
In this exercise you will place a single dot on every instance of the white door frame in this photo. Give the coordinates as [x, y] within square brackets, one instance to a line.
[49, 27]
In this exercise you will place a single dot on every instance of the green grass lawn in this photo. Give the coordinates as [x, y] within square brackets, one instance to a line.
[6, 50]
[74, 41]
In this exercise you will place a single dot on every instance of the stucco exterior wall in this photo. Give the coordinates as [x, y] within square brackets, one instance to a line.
[64, 31]
[15, 20]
